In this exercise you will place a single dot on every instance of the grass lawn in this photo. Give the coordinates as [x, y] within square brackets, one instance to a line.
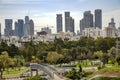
[14, 72]
[107, 71]
[107, 78]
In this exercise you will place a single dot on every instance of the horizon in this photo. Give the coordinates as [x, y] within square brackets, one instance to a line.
[43, 12]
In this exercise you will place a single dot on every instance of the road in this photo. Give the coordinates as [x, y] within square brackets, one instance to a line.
[51, 71]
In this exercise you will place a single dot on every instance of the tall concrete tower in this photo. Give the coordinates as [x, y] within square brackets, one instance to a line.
[59, 22]
[98, 18]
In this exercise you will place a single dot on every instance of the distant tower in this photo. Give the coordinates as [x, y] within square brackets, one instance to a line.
[69, 22]
[59, 22]
[0, 31]
[87, 21]
[27, 26]
[16, 29]
[98, 18]
[31, 28]
[8, 27]
[112, 23]
[20, 27]
[26, 19]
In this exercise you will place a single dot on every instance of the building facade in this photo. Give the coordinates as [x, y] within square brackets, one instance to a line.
[16, 28]
[47, 30]
[0, 31]
[20, 27]
[92, 32]
[98, 18]
[110, 31]
[87, 21]
[69, 22]
[8, 27]
[59, 23]
[31, 27]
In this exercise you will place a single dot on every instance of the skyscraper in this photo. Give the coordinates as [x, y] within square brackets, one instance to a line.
[8, 27]
[26, 19]
[87, 21]
[31, 27]
[98, 18]
[27, 27]
[88, 17]
[16, 29]
[69, 22]
[0, 31]
[59, 22]
[20, 27]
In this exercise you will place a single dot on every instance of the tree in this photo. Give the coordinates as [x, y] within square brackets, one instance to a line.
[118, 59]
[98, 54]
[18, 61]
[3, 47]
[101, 44]
[29, 53]
[105, 58]
[59, 49]
[74, 74]
[53, 57]
[13, 50]
[112, 54]
[5, 62]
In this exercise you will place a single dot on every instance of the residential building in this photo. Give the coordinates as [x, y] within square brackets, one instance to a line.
[92, 32]
[110, 31]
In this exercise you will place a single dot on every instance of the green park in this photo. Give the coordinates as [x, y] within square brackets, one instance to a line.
[85, 59]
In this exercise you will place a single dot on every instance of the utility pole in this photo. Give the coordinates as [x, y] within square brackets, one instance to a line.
[117, 47]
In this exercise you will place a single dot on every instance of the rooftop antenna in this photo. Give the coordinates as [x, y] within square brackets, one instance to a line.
[28, 13]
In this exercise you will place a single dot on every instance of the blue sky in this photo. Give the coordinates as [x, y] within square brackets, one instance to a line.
[43, 12]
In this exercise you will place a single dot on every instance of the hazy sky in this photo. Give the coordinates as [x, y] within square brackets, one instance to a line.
[43, 12]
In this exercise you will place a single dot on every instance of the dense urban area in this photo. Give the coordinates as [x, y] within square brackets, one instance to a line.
[93, 53]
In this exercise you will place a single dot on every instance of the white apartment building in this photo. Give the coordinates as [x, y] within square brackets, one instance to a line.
[92, 32]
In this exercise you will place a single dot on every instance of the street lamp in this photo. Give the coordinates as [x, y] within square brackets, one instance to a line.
[44, 59]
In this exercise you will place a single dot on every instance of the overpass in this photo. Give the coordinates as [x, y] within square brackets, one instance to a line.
[52, 72]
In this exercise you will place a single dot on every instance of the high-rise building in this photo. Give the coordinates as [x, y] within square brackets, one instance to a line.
[59, 22]
[98, 18]
[69, 22]
[8, 27]
[31, 27]
[27, 27]
[26, 19]
[87, 21]
[112, 23]
[20, 27]
[0, 31]
[88, 17]
[16, 29]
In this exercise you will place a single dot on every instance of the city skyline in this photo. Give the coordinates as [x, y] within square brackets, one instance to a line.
[43, 12]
